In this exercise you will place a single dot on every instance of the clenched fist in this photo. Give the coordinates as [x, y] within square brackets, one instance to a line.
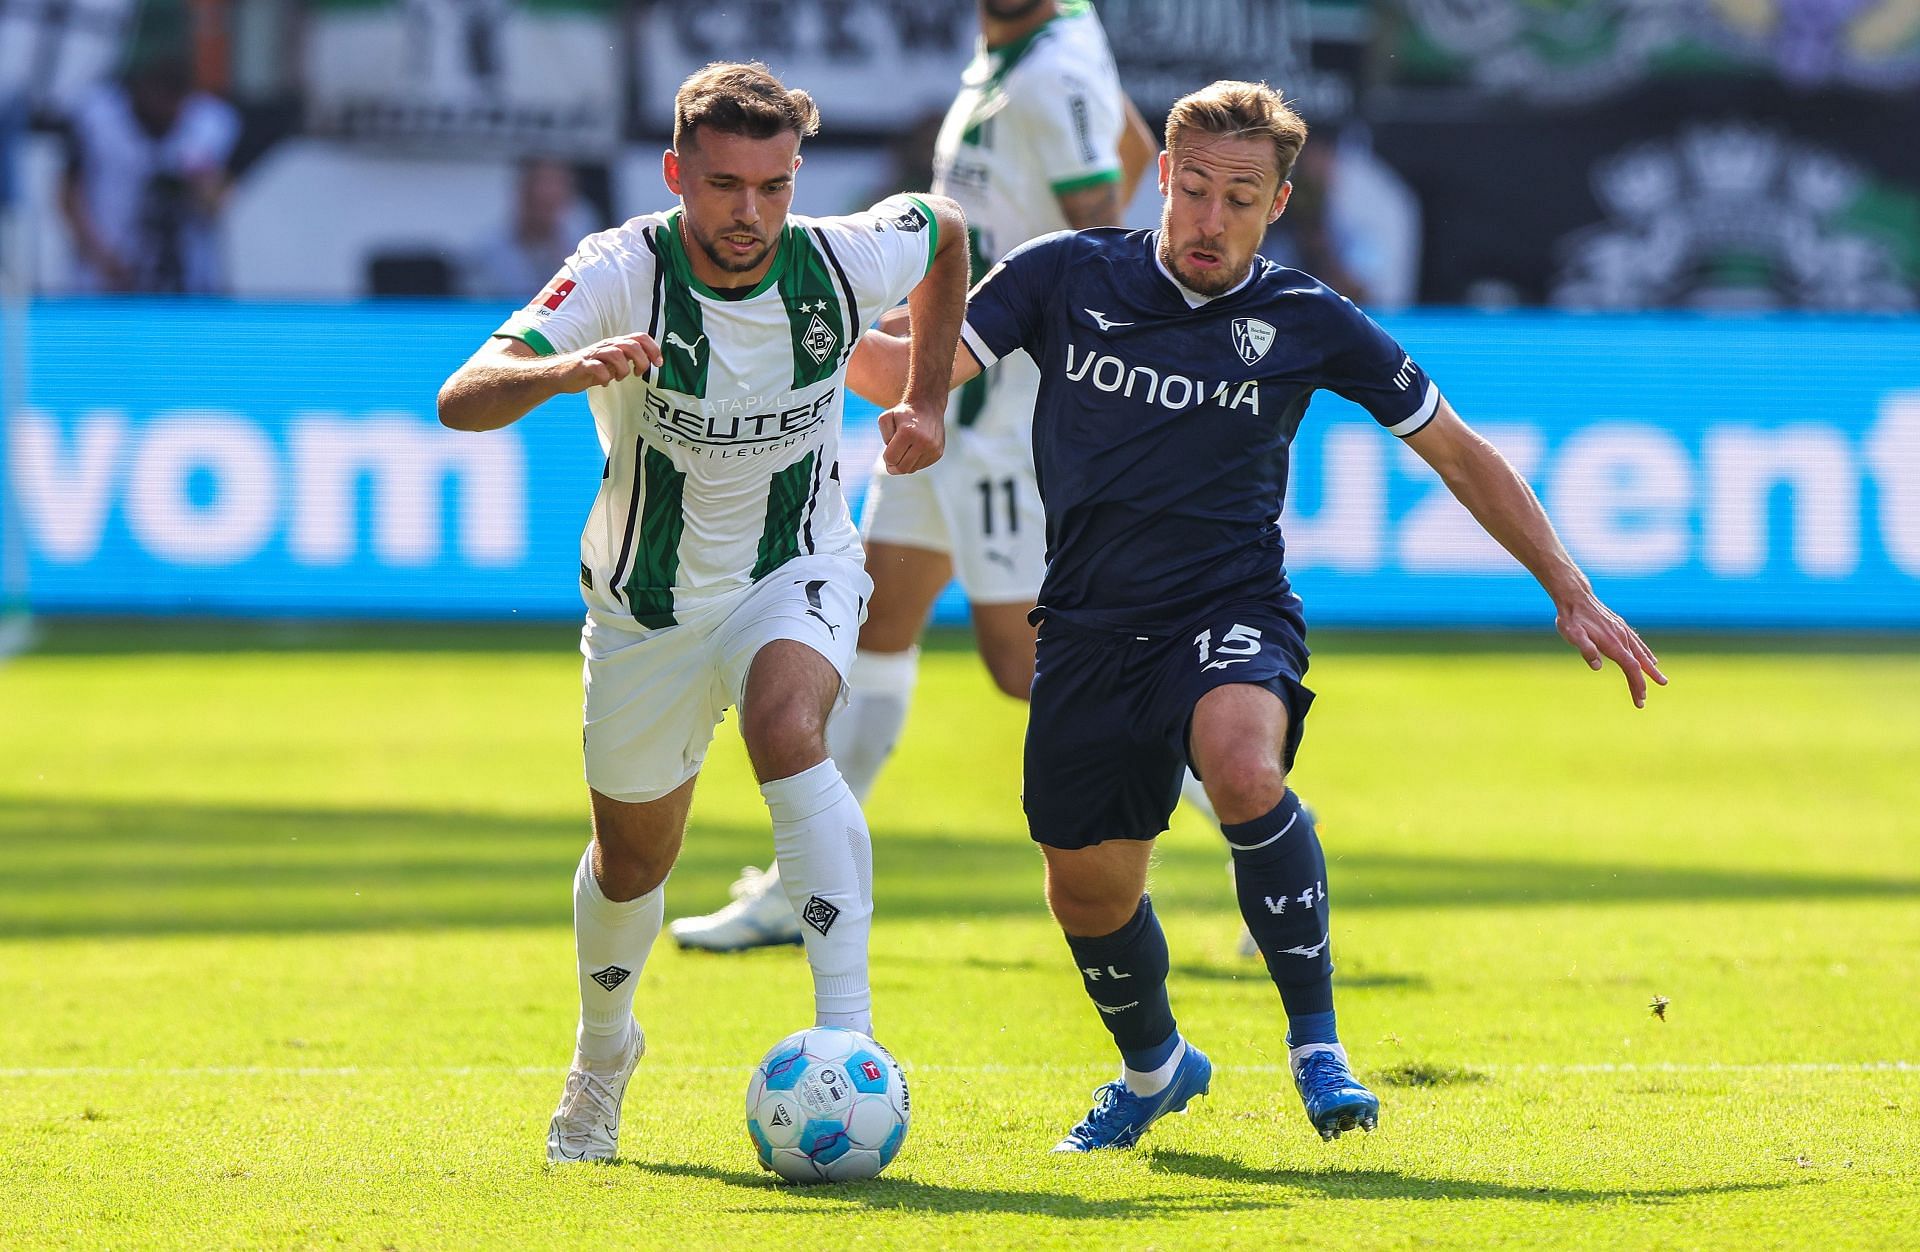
[608, 361]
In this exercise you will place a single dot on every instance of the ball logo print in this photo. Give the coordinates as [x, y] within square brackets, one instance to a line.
[827, 1105]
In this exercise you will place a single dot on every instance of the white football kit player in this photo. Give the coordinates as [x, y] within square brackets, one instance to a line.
[1035, 120]
[720, 524]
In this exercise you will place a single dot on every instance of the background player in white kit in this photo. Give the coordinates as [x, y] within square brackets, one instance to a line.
[1040, 138]
[719, 564]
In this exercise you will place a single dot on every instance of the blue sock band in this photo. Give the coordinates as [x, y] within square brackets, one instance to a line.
[1152, 1058]
[1311, 1028]
[1280, 875]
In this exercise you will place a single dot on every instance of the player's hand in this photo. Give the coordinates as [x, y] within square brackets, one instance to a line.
[915, 438]
[609, 361]
[896, 321]
[1600, 635]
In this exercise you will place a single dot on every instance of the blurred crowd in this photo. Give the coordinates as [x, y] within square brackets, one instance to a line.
[1586, 154]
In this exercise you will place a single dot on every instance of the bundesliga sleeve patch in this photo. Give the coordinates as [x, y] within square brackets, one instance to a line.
[554, 295]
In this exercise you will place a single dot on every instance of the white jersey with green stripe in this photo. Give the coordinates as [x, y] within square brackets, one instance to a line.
[722, 464]
[1036, 119]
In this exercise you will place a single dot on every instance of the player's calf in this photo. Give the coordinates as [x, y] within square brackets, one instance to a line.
[826, 870]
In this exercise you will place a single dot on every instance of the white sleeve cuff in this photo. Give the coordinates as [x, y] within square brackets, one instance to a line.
[978, 346]
[1428, 407]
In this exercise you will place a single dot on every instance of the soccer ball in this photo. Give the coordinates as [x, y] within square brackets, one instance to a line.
[827, 1105]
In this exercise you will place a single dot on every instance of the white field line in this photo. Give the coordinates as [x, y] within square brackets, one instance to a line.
[456, 1071]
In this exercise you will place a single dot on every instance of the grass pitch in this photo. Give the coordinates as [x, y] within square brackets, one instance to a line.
[285, 961]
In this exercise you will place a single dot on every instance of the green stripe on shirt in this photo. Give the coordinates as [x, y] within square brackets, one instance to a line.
[933, 229]
[1067, 186]
[529, 336]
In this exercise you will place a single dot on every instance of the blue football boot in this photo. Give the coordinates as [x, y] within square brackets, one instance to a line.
[1335, 1100]
[1120, 1117]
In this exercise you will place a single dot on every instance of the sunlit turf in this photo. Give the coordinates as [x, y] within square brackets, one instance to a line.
[284, 961]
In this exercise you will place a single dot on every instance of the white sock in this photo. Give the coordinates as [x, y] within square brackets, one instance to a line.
[1296, 1055]
[862, 735]
[1194, 792]
[826, 869]
[1152, 1082]
[611, 939]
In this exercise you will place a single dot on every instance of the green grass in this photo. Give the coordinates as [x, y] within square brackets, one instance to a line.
[284, 961]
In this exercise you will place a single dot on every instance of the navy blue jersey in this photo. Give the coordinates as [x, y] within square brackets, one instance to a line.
[1162, 429]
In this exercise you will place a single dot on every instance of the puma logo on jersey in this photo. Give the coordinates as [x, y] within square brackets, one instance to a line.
[691, 349]
[1106, 323]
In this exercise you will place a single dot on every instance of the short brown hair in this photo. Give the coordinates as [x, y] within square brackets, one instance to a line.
[741, 98]
[1237, 110]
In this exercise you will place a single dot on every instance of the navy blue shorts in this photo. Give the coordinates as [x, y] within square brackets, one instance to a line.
[1107, 731]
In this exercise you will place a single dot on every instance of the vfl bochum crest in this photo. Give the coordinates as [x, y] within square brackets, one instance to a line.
[1251, 338]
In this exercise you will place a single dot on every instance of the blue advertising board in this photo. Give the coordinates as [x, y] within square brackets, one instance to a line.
[209, 457]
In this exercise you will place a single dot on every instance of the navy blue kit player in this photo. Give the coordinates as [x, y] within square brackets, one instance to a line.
[1176, 366]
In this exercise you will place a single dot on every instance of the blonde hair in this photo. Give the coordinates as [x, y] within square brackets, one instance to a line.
[741, 98]
[1235, 110]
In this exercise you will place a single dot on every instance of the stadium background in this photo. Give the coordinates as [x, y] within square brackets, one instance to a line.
[284, 926]
[1668, 255]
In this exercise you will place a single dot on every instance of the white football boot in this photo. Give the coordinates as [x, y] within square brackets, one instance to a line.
[760, 916]
[586, 1126]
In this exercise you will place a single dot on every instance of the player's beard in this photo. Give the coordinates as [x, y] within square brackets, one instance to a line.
[727, 262]
[1211, 283]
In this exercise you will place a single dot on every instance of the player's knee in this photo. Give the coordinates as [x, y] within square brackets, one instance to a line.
[631, 868]
[784, 735]
[1089, 910]
[1244, 783]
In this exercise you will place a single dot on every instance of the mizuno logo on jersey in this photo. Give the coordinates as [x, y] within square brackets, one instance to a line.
[1106, 323]
[1170, 391]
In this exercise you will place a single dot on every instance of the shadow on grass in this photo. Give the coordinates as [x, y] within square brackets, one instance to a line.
[143, 868]
[1251, 969]
[1392, 1184]
[890, 1193]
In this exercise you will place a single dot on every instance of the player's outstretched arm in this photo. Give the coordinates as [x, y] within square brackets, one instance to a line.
[505, 380]
[877, 371]
[915, 427]
[1502, 502]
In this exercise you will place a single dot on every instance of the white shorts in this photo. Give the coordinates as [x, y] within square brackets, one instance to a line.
[979, 504]
[653, 697]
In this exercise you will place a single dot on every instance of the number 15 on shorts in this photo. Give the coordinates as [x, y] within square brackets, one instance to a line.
[1238, 643]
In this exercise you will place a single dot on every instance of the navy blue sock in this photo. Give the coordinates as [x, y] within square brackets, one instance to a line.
[1126, 977]
[1281, 877]
[1311, 1028]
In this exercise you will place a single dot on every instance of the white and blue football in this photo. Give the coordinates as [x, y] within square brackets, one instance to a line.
[827, 1105]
